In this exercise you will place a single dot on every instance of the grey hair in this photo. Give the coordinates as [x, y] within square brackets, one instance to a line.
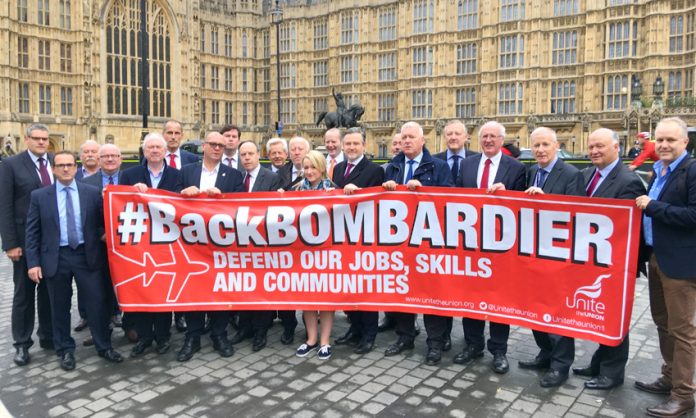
[456, 122]
[36, 127]
[300, 139]
[154, 136]
[493, 124]
[683, 128]
[274, 141]
[88, 142]
[544, 130]
[412, 124]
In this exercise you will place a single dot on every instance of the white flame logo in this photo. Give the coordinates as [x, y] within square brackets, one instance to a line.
[592, 291]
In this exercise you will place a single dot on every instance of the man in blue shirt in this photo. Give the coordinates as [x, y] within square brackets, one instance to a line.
[669, 227]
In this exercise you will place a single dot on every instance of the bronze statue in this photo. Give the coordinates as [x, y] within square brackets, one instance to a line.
[342, 117]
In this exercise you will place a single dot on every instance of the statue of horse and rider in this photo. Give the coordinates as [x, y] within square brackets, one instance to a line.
[342, 117]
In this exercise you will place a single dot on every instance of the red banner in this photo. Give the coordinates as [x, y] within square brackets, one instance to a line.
[560, 264]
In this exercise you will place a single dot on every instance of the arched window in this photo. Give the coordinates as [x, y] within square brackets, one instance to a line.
[123, 63]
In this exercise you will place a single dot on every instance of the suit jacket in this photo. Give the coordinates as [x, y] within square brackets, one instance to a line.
[266, 181]
[563, 179]
[43, 230]
[228, 179]
[621, 183]
[443, 155]
[512, 173]
[18, 178]
[285, 173]
[365, 174]
[170, 181]
[430, 172]
[673, 216]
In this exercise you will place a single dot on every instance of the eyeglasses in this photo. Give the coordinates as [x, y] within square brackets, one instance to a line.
[38, 138]
[110, 156]
[216, 145]
[64, 166]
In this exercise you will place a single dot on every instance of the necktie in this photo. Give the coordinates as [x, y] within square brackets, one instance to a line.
[541, 177]
[348, 170]
[111, 179]
[455, 167]
[229, 161]
[593, 183]
[247, 182]
[70, 220]
[484, 176]
[43, 172]
[409, 174]
[172, 160]
[332, 164]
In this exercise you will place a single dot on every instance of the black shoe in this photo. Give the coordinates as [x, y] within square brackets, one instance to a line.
[386, 324]
[190, 347]
[222, 346]
[259, 341]
[88, 342]
[288, 336]
[398, 347]
[433, 357]
[350, 338]
[240, 336]
[500, 363]
[553, 378]
[22, 356]
[139, 348]
[537, 363]
[46, 344]
[111, 355]
[469, 353]
[447, 345]
[364, 347]
[180, 324]
[163, 347]
[67, 361]
[603, 383]
[585, 371]
[81, 325]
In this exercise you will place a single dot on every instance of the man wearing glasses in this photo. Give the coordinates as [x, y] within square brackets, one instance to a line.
[211, 178]
[19, 176]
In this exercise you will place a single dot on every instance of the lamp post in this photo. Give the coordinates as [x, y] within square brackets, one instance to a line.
[658, 91]
[636, 91]
[277, 18]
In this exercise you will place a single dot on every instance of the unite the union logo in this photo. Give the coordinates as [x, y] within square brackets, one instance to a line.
[585, 299]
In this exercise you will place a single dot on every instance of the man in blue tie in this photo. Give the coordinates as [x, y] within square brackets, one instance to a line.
[65, 226]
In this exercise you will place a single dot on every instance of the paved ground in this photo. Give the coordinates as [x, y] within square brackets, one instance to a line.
[273, 382]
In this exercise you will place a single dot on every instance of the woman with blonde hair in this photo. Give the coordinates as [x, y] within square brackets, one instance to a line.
[315, 178]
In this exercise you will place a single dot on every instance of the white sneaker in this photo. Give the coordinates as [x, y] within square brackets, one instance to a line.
[324, 352]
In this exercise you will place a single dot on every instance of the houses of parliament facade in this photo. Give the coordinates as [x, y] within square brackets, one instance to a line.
[572, 65]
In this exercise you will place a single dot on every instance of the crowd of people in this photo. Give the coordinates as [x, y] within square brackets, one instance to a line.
[51, 222]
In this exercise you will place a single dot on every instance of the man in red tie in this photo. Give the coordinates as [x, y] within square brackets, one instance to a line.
[176, 157]
[608, 177]
[19, 176]
[491, 171]
[232, 136]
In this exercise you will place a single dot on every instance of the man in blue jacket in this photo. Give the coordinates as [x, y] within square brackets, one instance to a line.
[415, 167]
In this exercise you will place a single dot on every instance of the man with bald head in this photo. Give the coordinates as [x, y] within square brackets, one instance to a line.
[669, 225]
[607, 177]
[550, 175]
[334, 151]
[89, 159]
[490, 171]
[415, 167]
[212, 178]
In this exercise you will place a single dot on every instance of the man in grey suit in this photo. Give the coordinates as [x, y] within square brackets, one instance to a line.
[550, 175]
[19, 176]
[608, 177]
[256, 179]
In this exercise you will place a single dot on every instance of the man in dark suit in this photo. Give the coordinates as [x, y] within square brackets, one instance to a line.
[89, 159]
[277, 151]
[109, 169]
[291, 173]
[492, 171]
[157, 175]
[608, 177]
[212, 178]
[65, 226]
[19, 176]
[176, 157]
[669, 226]
[550, 175]
[415, 167]
[353, 173]
[256, 179]
[232, 136]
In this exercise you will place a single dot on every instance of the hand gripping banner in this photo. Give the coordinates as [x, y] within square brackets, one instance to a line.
[560, 264]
